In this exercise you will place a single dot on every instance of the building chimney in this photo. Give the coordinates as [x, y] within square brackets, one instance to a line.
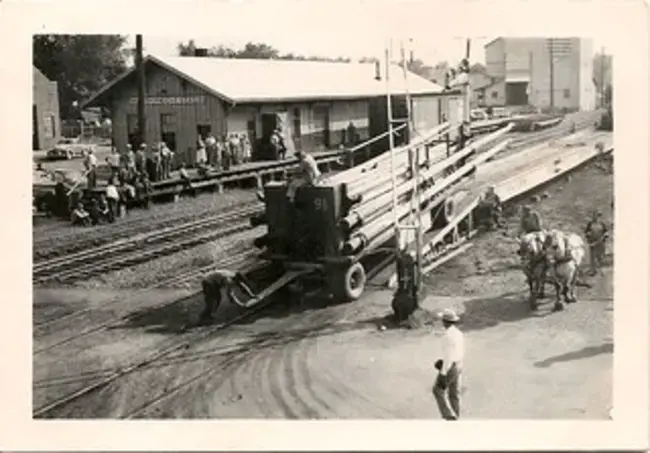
[377, 70]
[200, 52]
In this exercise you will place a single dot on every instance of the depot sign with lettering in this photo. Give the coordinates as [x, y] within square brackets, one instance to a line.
[170, 100]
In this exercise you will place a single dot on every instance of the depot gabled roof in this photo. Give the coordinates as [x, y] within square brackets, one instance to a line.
[261, 80]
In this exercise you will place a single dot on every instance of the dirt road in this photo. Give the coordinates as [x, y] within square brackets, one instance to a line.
[320, 361]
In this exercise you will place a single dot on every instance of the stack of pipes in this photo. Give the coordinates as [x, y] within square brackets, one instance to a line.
[369, 223]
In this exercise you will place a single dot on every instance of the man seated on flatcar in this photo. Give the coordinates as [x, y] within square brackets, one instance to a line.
[98, 209]
[185, 178]
[143, 190]
[80, 216]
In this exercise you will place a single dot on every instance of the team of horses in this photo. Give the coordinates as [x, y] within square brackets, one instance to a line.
[552, 257]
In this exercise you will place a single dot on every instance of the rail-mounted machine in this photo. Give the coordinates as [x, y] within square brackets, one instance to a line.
[333, 232]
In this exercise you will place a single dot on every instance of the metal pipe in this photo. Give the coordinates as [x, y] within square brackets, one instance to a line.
[365, 209]
[375, 228]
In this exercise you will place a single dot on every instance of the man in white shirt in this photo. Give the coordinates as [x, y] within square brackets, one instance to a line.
[113, 161]
[91, 169]
[113, 199]
[447, 387]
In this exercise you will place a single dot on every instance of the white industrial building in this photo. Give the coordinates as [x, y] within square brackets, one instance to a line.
[522, 73]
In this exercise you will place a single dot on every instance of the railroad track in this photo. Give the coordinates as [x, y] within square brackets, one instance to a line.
[101, 378]
[79, 239]
[235, 259]
[143, 247]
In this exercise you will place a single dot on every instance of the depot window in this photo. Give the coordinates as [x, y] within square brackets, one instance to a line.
[567, 94]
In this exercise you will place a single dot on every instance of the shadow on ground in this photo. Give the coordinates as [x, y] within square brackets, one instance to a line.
[584, 353]
[179, 316]
[483, 313]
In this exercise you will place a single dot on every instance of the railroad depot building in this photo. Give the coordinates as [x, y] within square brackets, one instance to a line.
[313, 102]
[46, 120]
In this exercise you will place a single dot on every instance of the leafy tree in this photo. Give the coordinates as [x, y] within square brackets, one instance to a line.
[252, 50]
[81, 64]
[186, 50]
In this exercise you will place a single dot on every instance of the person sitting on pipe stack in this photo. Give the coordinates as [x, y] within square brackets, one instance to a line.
[308, 174]
[489, 209]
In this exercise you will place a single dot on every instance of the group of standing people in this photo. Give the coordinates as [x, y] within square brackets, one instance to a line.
[223, 152]
[153, 163]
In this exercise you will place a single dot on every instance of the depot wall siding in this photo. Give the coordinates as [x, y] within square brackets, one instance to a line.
[168, 94]
[321, 123]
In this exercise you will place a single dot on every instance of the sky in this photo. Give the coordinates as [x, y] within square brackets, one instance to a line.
[450, 49]
[358, 28]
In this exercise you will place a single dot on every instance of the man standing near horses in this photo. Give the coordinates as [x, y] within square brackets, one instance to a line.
[489, 209]
[446, 390]
[530, 221]
[596, 233]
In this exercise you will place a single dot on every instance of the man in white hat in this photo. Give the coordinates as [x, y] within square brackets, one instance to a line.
[447, 387]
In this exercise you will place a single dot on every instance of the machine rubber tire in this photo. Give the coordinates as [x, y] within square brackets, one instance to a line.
[351, 283]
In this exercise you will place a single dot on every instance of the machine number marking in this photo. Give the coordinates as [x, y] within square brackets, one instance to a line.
[320, 204]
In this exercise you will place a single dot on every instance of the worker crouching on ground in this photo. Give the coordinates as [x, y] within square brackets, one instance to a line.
[80, 216]
[446, 389]
[308, 174]
[489, 210]
[215, 287]
[596, 233]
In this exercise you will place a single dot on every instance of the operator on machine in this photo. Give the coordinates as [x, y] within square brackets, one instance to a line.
[308, 174]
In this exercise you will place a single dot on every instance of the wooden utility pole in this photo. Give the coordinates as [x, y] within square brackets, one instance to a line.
[551, 68]
[142, 120]
[602, 76]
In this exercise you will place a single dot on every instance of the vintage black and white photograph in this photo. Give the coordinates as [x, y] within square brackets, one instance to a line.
[315, 228]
